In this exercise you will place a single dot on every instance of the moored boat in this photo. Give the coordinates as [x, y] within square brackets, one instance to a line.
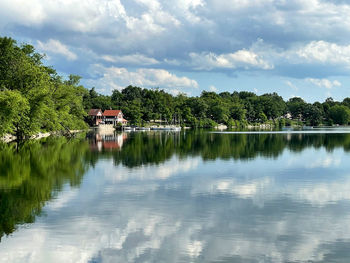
[129, 128]
[166, 128]
[143, 128]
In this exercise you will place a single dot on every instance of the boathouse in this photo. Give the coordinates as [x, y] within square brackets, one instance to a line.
[96, 116]
[114, 117]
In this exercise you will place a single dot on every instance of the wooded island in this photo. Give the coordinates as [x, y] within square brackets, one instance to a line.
[34, 98]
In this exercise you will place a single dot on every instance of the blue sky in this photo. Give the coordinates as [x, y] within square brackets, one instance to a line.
[295, 47]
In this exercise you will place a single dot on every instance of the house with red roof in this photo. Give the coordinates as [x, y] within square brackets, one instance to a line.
[114, 117]
[96, 116]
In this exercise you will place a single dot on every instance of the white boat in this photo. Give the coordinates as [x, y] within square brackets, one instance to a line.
[129, 128]
[176, 128]
[167, 128]
[143, 128]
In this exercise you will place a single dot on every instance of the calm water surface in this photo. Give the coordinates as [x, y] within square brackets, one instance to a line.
[193, 196]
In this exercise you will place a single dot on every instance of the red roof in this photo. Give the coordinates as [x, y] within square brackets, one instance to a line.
[94, 112]
[111, 112]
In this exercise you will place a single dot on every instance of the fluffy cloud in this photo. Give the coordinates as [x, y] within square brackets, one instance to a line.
[324, 83]
[243, 59]
[306, 60]
[71, 15]
[56, 47]
[325, 52]
[118, 78]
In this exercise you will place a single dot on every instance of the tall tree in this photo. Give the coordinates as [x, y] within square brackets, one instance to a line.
[41, 101]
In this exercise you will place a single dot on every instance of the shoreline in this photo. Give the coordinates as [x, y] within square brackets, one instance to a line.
[7, 138]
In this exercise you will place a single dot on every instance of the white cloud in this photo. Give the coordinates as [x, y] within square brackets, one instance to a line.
[324, 83]
[62, 14]
[53, 46]
[186, 8]
[325, 52]
[318, 54]
[118, 78]
[240, 59]
[24, 12]
[157, 14]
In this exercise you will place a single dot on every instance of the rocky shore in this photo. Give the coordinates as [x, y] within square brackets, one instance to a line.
[9, 138]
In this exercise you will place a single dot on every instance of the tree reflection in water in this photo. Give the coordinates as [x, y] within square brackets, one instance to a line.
[33, 173]
[156, 147]
[36, 171]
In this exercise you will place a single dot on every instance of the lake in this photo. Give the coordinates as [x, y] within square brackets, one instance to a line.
[191, 196]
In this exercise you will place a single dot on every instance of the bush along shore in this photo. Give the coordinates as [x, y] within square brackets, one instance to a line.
[35, 101]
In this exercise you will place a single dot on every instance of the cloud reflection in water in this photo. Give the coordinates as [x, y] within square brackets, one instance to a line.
[290, 208]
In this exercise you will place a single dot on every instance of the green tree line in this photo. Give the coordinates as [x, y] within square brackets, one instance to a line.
[235, 109]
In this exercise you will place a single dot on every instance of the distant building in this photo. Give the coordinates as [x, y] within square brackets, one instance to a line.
[107, 117]
[114, 117]
[96, 116]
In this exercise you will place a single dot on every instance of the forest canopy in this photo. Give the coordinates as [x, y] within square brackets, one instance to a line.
[236, 109]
